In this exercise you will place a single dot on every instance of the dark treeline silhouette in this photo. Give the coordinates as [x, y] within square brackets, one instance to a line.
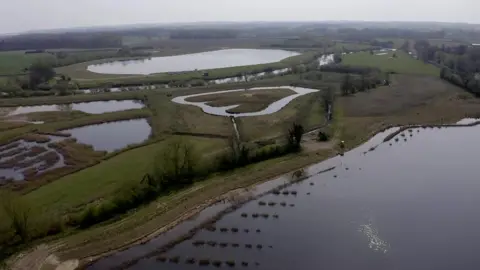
[59, 41]
[460, 64]
[203, 34]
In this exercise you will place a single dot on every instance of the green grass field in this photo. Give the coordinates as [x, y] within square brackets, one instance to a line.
[403, 63]
[14, 62]
[73, 192]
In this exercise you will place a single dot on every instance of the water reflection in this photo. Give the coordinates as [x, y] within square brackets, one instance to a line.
[222, 111]
[94, 107]
[112, 136]
[410, 204]
[196, 61]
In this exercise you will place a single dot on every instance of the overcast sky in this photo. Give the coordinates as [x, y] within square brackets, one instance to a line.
[24, 15]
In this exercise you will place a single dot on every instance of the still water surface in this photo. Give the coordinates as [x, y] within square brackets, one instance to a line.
[94, 107]
[410, 203]
[112, 136]
[189, 62]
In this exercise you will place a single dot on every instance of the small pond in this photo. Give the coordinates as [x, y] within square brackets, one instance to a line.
[408, 203]
[222, 111]
[94, 107]
[22, 159]
[196, 61]
[112, 136]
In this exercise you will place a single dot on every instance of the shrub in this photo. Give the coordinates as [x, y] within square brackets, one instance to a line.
[212, 243]
[190, 261]
[205, 262]
[198, 243]
[175, 259]
[18, 213]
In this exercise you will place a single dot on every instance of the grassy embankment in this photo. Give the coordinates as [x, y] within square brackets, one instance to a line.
[403, 63]
[249, 101]
[406, 102]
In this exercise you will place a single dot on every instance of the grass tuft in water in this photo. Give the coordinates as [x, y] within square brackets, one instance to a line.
[285, 192]
[276, 192]
[261, 203]
[198, 243]
[244, 215]
[223, 244]
[292, 205]
[246, 230]
[162, 259]
[248, 245]
[234, 230]
[205, 262]
[224, 229]
[230, 263]
[235, 245]
[272, 203]
[265, 215]
[294, 192]
[283, 204]
[255, 215]
[275, 216]
[258, 231]
[175, 259]
[212, 243]
[244, 264]
[190, 261]
[259, 246]
[211, 228]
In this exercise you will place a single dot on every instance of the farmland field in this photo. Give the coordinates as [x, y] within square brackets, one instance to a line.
[402, 63]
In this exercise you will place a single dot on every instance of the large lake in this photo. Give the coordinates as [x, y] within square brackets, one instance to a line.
[189, 62]
[410, 203]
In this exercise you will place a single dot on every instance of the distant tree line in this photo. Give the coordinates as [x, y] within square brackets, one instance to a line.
[59, 41]
[460, 64]
[203, 34]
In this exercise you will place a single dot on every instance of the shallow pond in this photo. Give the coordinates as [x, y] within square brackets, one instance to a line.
[196, 61]
[94, 107]
[112, 136]
[18, 157]
[409, 203]
[222, 111]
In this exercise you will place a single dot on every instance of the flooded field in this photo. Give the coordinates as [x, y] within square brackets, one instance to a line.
[112, 136]
[24, 159]
[196, 61]
[95, 107]
[407, 203]
[223, 111]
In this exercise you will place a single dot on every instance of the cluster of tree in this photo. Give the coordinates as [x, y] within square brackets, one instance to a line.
[460, 64]
[351, 85]
[468, 81]
[59, 41]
